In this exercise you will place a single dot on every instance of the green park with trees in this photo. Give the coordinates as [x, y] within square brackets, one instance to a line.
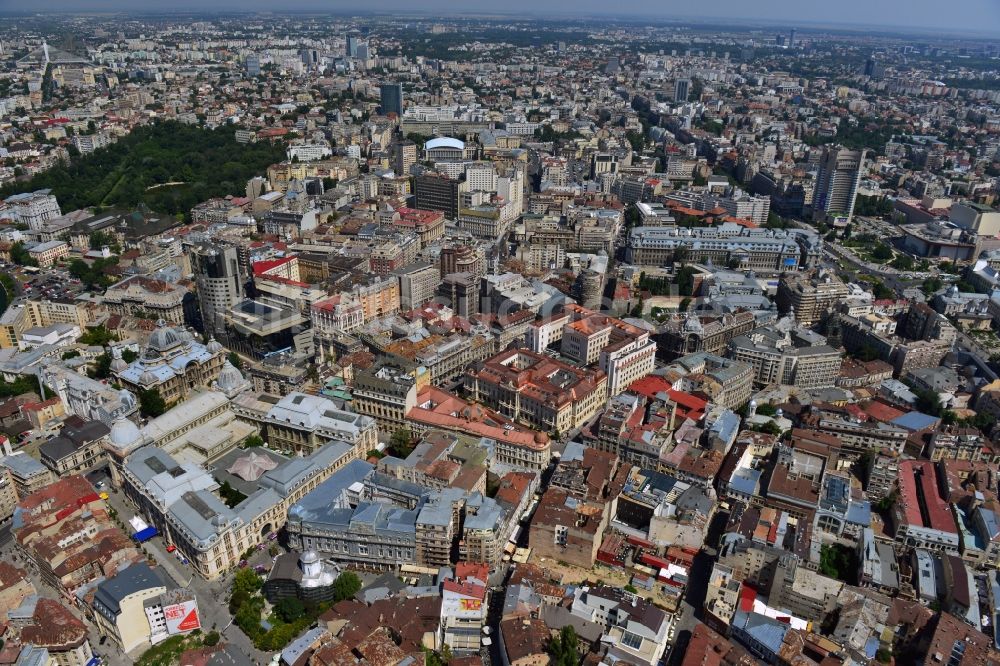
[168, 166]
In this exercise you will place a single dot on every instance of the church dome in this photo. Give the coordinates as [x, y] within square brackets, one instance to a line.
[126, 398]
[214, 346]
[309, 557]
[164, 337]
[230, 378]
[124, 433]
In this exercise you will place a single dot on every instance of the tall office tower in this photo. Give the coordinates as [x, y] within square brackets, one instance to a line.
[462, 259]
[791, 39]
[588, 288]
[436, 191]
[362, 52]
[874, 69]
[253, 65]
[351, 47]
[220, 286]
[392, 98]
[310, 58]
[837, 182]
[510, 186]
[405, 156]
[682, 88]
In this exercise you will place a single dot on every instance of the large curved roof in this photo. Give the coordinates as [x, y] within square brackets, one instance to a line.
[444, 142]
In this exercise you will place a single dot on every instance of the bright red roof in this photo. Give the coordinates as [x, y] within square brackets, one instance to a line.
[654, 387]
[477, 570]
[465, 588]
[922, 472]
[882, 412]
[261, 267]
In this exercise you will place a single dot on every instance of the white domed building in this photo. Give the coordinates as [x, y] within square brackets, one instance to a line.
[173, 362]
[124, 438]
[304, 576]
[230, 381]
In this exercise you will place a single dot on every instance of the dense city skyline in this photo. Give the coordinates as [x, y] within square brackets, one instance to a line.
[978, 16]
[384, 334]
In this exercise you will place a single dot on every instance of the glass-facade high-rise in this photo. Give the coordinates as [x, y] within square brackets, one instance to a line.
[392, 98]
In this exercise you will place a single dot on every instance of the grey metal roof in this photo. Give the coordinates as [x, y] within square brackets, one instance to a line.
[380, 480]
[435, 513]
[487, 513]
[763, 630]
[23, 465]
[58, 448]
[319, 504]
[298, 647]
[33, 656]
[256, 504]
[163, 478]
[745, 481]
[283, 478]
[149, 461]
[201, 514]
[136, 578]
[989, 522]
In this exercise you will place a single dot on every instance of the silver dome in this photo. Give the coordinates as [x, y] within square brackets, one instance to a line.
[124, 433]
[229, 377]
[164, 337]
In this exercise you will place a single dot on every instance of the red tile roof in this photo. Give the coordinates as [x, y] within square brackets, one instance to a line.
[880, 411]
[921, 473]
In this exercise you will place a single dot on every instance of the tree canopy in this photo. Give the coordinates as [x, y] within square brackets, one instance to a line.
[564, 648]
[151, 403]
[169, 166]
[346, 586]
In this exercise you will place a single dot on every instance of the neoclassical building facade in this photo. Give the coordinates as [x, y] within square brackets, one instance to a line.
[173, 362]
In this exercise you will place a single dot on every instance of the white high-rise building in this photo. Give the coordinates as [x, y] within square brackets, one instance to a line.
[510, 186]
[837, 182]
[746, 207]
[33, 208]
[480, 177]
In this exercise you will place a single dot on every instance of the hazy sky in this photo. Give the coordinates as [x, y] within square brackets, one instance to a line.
[973, 15]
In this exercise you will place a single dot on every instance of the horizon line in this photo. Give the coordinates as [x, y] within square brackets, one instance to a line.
[624, 16]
